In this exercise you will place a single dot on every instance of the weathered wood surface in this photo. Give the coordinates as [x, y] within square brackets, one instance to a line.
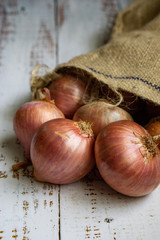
[51, 32]
[28, 209]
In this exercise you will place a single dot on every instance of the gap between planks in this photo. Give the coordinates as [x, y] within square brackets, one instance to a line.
[55, 19]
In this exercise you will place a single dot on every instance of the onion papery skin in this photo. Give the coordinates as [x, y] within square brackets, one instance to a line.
[153, 127]
[100, 114]
[61, 153]
[68, 93]
[122, 159]
[29, 117]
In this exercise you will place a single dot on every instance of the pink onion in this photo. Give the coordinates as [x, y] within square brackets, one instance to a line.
[62, 151]
[127, 158]
[68, 93]
[153, 127]
[30, 116]
[99, 114]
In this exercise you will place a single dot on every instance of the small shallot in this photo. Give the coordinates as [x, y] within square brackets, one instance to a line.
[99, 114]
[68, 92]
[62, 151]
[153, 127]
[30, 116]
[127, 158]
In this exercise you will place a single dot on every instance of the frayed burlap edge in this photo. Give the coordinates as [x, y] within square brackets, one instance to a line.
[115, 82]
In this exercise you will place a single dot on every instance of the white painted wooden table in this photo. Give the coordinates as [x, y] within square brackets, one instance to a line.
[51, 32]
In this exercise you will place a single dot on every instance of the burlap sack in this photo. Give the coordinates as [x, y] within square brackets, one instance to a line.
[130, 61]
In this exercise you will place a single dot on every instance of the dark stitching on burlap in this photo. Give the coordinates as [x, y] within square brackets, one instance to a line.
[126, 77]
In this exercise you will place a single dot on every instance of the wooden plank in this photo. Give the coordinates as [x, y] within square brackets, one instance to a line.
[85, 25]
[90, 209]
[28, 209]
[52, 32]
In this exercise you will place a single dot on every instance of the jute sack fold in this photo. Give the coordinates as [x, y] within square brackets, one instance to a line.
[130, 61]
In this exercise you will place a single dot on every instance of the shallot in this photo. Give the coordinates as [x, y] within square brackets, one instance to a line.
[29, 117]
[99, 114]
[153, 127]
[127, 158]
[69, 93]
[62, 151]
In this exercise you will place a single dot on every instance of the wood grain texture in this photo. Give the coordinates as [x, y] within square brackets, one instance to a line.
[83, 26]
[28, 209]
[94, 211]
[51, 32]
[90, 209]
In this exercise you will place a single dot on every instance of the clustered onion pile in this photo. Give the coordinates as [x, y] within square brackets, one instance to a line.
[66, 137]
